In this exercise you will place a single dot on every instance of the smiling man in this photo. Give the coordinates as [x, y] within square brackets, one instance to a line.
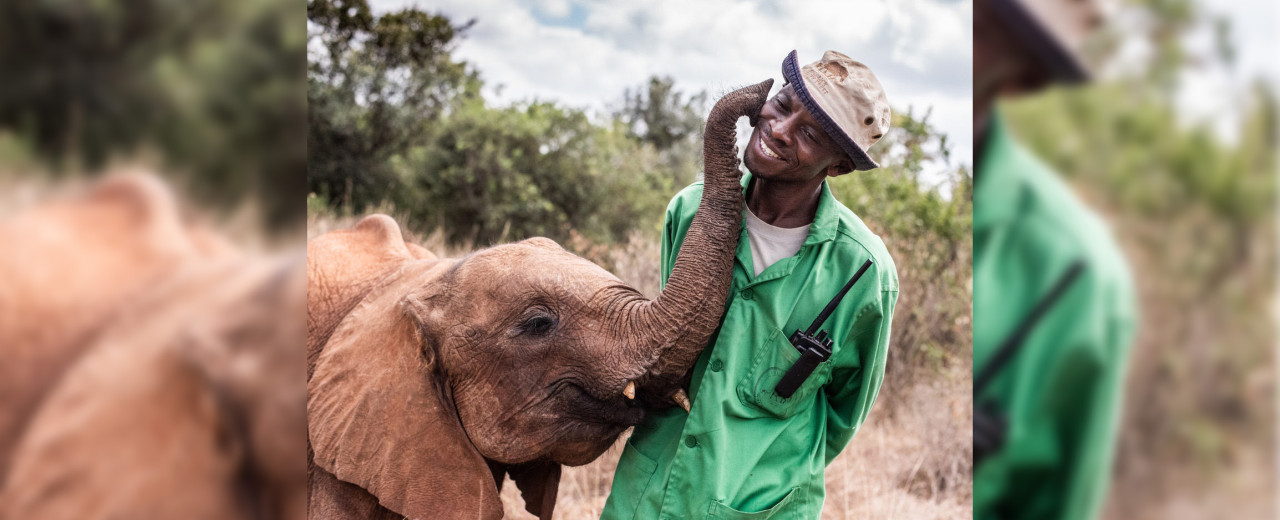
[743, 448]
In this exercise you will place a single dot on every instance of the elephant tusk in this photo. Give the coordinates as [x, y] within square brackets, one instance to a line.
[630, 390]
[681, 399]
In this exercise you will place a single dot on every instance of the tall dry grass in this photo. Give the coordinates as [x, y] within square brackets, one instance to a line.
[912, 458]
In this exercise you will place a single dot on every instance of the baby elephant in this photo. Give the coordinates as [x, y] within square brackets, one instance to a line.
[430, 380]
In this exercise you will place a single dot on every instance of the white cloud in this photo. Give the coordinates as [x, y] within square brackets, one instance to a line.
[554, 8]
[920, 49]
[1215, 94]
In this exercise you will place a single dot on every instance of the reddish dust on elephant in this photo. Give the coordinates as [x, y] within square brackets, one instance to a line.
[431, 380]
[152, 370]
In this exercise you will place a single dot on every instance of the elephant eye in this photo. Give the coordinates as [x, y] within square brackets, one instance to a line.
[538, 325]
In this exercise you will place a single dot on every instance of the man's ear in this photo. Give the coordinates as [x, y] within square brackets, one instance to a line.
[839, 168]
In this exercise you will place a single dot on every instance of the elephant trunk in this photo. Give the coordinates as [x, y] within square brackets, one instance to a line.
[671, 331]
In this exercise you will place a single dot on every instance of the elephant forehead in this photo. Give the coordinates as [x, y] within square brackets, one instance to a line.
[520, 267]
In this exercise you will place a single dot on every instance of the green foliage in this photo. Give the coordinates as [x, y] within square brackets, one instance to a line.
[395, 119]
[1140, 160]
[660, 115]
[529, 170]
[372, 87]
[214, 87]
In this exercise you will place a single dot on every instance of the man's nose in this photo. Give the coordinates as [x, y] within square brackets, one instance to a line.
[782, 129]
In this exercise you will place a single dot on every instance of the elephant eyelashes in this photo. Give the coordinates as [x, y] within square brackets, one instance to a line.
[539, 325]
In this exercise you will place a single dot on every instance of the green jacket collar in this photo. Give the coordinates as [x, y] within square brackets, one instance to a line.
[996, 195]
[825, 220]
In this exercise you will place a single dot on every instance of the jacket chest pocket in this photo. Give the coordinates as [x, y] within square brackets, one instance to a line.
[770, 361]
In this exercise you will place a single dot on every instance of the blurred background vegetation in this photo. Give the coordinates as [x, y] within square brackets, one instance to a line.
[1193, 207]
[208, 92]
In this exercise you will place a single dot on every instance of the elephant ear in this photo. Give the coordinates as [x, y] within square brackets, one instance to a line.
[379, 417]
[538, 483]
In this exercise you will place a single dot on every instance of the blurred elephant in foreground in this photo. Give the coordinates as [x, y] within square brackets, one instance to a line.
[151, 370]
[430, 380]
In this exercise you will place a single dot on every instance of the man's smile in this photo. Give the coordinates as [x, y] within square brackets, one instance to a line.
[767, 150]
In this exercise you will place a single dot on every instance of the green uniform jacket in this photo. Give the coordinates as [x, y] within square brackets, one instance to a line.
[743, 452]
[1061, 392]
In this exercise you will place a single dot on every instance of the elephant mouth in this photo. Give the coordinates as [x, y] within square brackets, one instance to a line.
[580, 405]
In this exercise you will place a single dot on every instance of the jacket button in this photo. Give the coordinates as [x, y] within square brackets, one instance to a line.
[747, 294]
[691, 441]
[716, 365]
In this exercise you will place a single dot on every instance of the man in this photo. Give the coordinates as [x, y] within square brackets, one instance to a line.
[742, 447]
[1045, 419]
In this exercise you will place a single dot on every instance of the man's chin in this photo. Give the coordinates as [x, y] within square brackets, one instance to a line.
[761, 172]
[756, 165]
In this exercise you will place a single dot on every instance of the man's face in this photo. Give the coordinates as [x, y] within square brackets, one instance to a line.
[789, 145]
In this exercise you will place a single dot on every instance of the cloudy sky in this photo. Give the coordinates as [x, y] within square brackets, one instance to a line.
[585, 53]
[1217, 94]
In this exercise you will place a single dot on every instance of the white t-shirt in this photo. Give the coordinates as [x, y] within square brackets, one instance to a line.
[770, 243]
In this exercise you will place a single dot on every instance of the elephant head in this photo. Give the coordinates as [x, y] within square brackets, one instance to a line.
[429, 378]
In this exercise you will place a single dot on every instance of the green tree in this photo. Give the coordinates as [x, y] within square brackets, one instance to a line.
[373, 84]
[534, 169]
[214, 87]
[661, 115]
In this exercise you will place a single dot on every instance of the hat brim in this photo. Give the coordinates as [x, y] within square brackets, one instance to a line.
[791, 72]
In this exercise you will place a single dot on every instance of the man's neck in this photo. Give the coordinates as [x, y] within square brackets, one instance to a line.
[784, 205]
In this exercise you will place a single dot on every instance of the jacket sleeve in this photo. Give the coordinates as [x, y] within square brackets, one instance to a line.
[1084, 425]
[669, 246]
[679, 215]
[1056, 463]
[1087, 475]
[855, 382]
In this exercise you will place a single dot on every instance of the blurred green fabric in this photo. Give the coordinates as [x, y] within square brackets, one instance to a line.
[1061, 393]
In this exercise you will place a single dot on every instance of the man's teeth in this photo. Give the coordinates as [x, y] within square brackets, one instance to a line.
[768, 151]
